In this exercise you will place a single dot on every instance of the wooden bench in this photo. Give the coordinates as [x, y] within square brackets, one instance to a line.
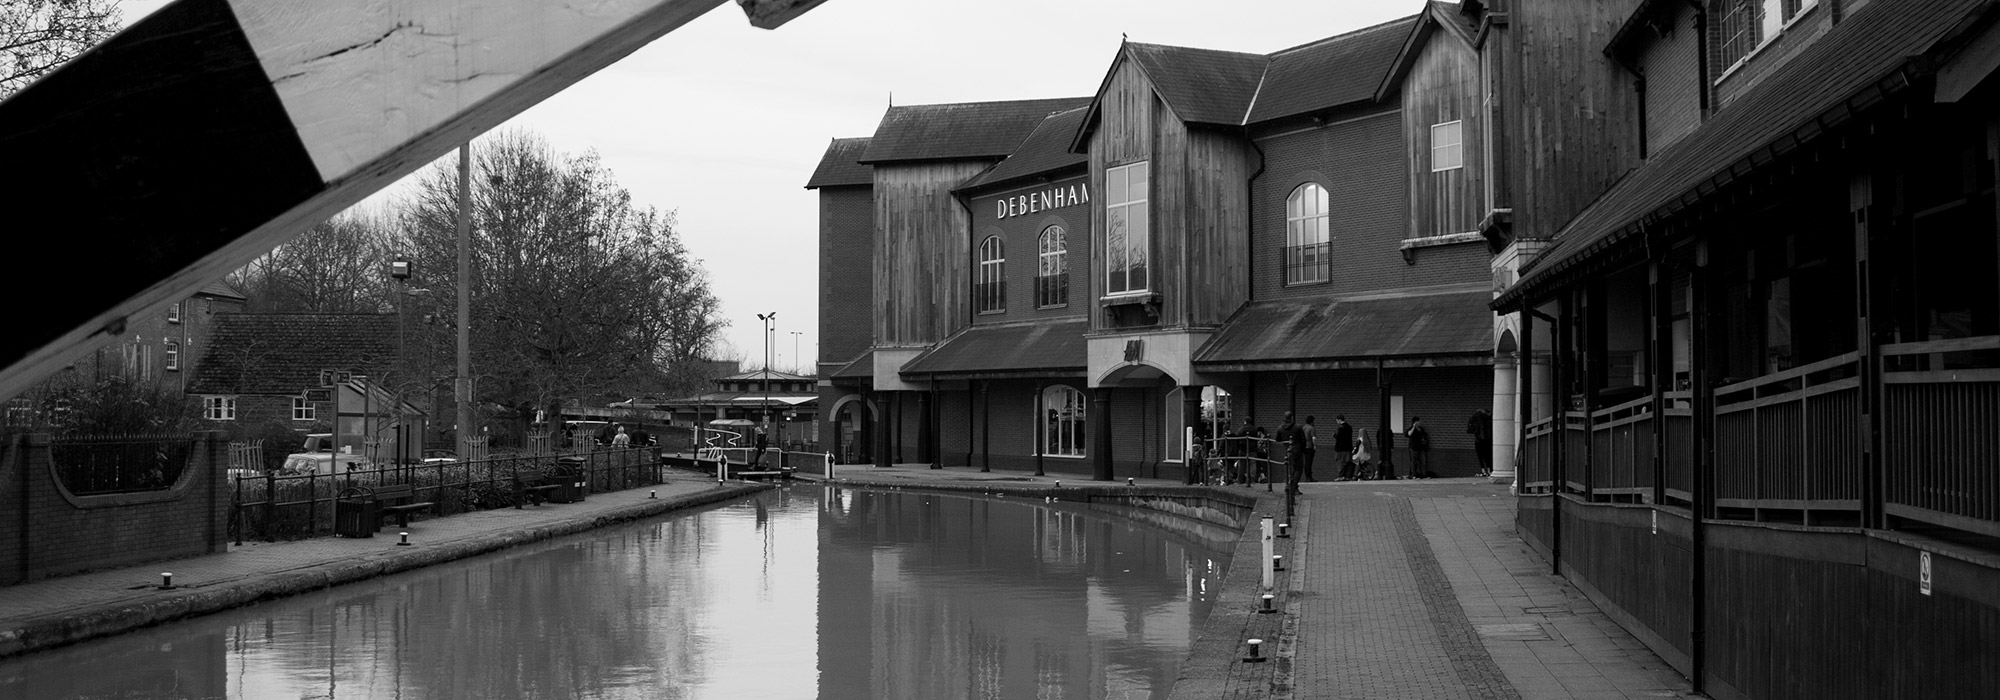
[535, 489]
[370, 504]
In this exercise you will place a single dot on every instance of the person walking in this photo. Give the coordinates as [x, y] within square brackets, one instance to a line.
[621, 439]
[763, 443]
[1259, 443]
[1480, 425]
[1420, 450]
[1343, 449]
[1385, 443]
[1363, 461]
[1292, 438]
[1312, 448]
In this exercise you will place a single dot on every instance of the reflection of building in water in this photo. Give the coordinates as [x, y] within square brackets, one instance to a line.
[950, 597]
[188, 668]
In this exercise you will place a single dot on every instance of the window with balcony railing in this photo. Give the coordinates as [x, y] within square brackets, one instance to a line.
[1052, 290]
[989, 297]
[1305, 264]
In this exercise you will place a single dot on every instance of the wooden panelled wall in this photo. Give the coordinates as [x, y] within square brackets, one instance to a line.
[1574, 127]
[1443, 86]
[1199, 203]
[922, 260]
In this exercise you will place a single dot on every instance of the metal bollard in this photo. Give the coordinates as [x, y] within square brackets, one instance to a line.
[166, 581]
[1128, 482]
[1277, 562]
[1059, 483]
[1284, 531]
[1256, 652]
[1268, 608]
[652, 493]
[405, 541]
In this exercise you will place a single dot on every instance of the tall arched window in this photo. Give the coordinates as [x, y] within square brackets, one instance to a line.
[1052, 278]
[990, 294]
[1307, 237]
[1062, 416]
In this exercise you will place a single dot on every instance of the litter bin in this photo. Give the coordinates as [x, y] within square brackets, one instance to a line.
[354, 513]
[569, 475]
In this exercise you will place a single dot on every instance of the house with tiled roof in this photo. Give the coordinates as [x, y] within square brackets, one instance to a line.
[156, 350]
[311, 372]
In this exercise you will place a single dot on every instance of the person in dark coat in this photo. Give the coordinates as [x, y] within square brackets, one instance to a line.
[763, 443]
[1420, 450]
[1343, 448]
[641, 438]
[1480, 426]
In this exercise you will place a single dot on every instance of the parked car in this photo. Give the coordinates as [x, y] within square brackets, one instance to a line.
[318, 457]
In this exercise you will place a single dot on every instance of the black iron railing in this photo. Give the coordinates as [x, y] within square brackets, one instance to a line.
[1052, 290]
[989, 297]
[1305, 264]
[119, 463]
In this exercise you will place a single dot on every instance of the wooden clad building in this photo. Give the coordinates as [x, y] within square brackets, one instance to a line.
[1761, 363]
[1214, 236]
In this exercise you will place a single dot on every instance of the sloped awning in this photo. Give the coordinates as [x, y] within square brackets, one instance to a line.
[862, 367]
[1040, 349]
[1453, 328]
[1879, 50]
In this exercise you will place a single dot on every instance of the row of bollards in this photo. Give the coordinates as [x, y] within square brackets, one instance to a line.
[1268, 601]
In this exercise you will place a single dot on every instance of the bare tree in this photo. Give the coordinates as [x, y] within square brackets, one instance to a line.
[337, 266]
[38, 35]
[576, 292]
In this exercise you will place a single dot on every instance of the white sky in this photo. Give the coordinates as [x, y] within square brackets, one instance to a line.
[724, 123]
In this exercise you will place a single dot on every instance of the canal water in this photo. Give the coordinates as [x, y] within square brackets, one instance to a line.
[802, 592]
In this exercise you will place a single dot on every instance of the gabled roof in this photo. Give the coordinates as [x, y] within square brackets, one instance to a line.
[1437, 16]
[968, 130]
[1454, 322]
[1044, 151]
[1854, 65]
[1041, 347]
[219, 290]
[1328, 73]
[284, 353]
[1228, 88]
[841, 165]
[1201, 86]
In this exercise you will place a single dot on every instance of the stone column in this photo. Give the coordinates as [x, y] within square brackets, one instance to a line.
[1506, 433]
[1100, 434]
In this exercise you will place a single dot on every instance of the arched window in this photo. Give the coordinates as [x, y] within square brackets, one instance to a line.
[989, 295]
[1052, 278]
[1061, 415]
[1307, 237]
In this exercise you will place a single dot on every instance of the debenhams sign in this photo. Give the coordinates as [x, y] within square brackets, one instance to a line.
[1051, 198]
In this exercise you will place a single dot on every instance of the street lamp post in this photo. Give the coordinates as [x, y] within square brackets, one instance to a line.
[768, 319]
[796, 367]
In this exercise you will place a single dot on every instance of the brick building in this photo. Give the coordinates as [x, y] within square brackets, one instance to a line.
[160, 350]
[1070, 285]
[264, 372]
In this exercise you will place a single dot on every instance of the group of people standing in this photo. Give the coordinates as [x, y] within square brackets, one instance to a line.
[1244, 454]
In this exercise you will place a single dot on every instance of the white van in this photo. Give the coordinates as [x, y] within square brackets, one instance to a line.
[319, 458]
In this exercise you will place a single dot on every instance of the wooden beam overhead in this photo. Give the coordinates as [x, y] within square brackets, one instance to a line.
[213, 130]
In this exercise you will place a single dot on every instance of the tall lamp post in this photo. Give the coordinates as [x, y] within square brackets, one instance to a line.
[796, 367]
[768, 319]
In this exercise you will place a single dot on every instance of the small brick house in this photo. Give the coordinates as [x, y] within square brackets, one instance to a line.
[265, 370]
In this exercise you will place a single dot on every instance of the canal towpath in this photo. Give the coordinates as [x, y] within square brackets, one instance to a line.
[1402, 589]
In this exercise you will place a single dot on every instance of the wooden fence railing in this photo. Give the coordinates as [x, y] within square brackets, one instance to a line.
[1941, 433]
[1678, 420]
[1576, 451]
[1538, 457]
[1621, 448]
[1792, 440]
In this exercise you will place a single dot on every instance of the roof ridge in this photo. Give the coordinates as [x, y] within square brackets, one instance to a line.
[995, 102]
[1348, 33]
[1250, 54]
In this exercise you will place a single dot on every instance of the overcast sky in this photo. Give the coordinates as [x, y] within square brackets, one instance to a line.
[724, 123]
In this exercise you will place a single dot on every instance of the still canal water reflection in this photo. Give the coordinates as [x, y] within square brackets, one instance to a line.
[804, 592]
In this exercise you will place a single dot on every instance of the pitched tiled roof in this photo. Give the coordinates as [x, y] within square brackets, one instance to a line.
[1821, 87]
[1330, 72]
[284, 353]
[1041, 347]
[841, 165]
[1201, 86]
[1045, 150]
[219, 289]
[958, 131]
[1451, 323]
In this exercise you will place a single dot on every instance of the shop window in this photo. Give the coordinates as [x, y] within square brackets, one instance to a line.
[1063, 418]
[989, 293]
[1126, 234]
[1306, 235]
[1052, 275]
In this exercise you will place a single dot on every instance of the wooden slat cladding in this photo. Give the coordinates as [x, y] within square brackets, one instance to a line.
[1198, 203]
[1442, 87]
[923, 256]
[1573, 130]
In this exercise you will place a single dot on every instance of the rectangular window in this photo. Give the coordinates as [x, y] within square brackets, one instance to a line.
[1126, 236]
[173, 360]
[174, 313]
[218, 407]
[1447, 146]
[20, 413]
[303, 409]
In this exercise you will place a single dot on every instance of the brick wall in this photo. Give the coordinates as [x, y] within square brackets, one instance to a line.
[1021, 234]
[846, 272]
[1361, 163]
[53, 533]
[1776, 52]
[1672, 64]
